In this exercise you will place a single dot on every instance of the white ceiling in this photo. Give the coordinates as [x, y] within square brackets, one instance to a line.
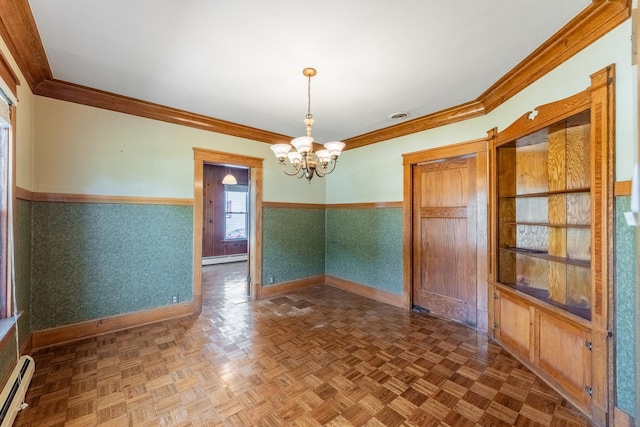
[242, 61]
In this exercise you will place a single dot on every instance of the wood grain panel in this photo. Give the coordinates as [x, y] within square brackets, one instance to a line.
[506, 178]
[558, 282]
[558, 241]
[532, 272]
[514, 324]
[532, 237]
[578, 286]
[442, 240]
[579, 209]
[532, 209]
[448, 307]
[452, 212]
[507, 209]
[558, 209]
[531, 169]
[557, 162]
[562, 353]
[579, 156]
[507, 236]
[507, 267]
[578, 245]
[453, 194]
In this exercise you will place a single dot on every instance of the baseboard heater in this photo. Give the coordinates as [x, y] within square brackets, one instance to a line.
[13, 393]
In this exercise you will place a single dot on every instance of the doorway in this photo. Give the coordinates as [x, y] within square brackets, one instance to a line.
[226, 214]
[446, 236]
[253, 230]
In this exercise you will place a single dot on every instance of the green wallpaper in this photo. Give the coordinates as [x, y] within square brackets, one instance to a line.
[23, 282]
[365, 246]
[92, 260]
[626, 310]
[292, 243]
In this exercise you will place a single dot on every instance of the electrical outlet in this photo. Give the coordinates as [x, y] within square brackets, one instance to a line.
[175, 299]
[271, 280]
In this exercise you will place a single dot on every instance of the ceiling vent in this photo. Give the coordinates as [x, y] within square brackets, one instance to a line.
[399, 116]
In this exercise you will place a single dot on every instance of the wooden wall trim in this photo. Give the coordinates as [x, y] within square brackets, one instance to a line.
[622, 188]
[622, 419]
[288, 205]
[90, 328]
[597, 19]
[600, 17]
[451, 115]
[19, 31]
[97, 198]
[367, 205]
[8, 76]
[293, 285]
[21, 193]
[97, 98]
[444, 152]
[365, 291]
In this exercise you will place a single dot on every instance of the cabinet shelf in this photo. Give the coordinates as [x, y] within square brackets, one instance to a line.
[544, 224]
[546, 193]
[543, 295]
[544, 255]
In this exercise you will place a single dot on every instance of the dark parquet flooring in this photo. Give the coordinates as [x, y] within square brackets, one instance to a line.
[315, 357]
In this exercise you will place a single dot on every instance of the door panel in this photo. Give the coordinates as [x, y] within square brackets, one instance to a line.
[445, 239]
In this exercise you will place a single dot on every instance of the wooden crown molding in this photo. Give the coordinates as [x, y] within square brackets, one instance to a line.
[597, 19]
[18, 29]
[9, 77]
[101, 99]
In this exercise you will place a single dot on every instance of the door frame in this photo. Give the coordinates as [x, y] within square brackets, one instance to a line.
[254, 164]
[409, 161]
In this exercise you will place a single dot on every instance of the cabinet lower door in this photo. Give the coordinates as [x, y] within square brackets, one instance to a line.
[563, 351]
[514, 324]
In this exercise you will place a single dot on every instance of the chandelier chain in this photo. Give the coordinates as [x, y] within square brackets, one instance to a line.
[309, 115]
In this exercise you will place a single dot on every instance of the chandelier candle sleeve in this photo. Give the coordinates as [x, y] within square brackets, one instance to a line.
[303, 162]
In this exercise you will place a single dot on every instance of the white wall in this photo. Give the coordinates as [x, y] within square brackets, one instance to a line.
[87, 150]
[374, 173]
[24, 125]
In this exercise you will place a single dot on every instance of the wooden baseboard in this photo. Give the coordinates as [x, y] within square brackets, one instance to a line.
[90, 328]
[280, 288]
[365, 291]
[622, 419]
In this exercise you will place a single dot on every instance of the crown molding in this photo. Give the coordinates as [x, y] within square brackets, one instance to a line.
[597, 19]
[97, 98]
[18, 29]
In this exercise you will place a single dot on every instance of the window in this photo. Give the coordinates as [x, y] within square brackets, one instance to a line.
[6, 291]
[236, 212]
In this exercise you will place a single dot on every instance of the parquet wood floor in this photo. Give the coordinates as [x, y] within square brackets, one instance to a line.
[319, 356]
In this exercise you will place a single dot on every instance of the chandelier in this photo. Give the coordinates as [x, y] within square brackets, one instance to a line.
[303, 161]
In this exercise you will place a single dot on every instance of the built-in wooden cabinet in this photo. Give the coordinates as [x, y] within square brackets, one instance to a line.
[551, 197]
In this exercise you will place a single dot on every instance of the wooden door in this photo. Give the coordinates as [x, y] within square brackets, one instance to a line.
[444, 236]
